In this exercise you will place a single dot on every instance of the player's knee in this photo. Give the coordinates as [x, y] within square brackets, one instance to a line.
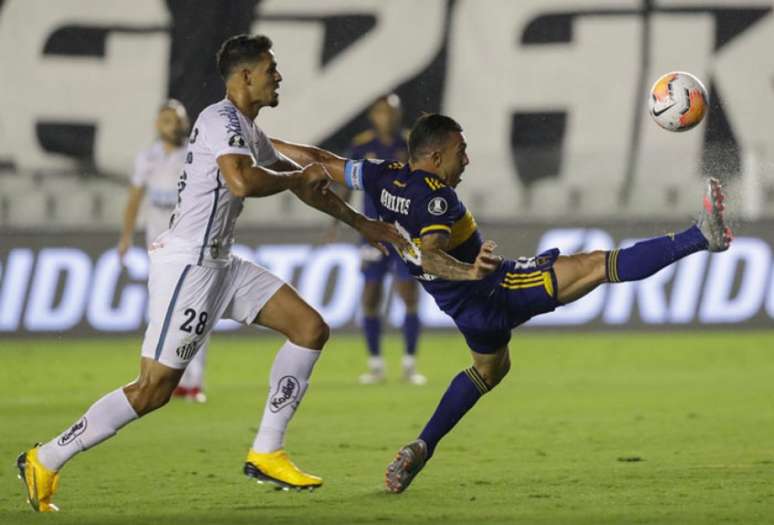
[493, 374]
[370, 307]
[371, 299]
[412, 301]
[312, 333]
[146, 394]
[410, 297]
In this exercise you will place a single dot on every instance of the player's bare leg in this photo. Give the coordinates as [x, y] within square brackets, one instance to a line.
[307, 333]
[191, 386]
[579, 274]
[371, 303]
[39, 466]
[463, 392]
[153, 388]
[408, 291]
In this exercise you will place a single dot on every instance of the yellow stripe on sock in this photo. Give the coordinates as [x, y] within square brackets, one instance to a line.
[612, 263]
[474, 376]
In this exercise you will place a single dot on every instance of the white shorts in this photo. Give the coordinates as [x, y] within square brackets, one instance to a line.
[187, 300]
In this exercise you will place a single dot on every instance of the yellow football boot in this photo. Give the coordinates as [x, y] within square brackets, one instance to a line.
[276, 467]
[40, 482]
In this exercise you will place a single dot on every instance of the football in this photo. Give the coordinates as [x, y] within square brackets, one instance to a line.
[678, 101]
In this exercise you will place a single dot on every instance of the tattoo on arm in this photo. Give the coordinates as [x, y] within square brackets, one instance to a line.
[436, 261]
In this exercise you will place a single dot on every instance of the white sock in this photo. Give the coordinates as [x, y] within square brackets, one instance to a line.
[409, 363]
[288, 381]
[376, 364]
[193, 377]
[101, 421]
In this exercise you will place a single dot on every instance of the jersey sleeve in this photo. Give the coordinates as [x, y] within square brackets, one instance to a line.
[142, 169]
[362, 174]
[267, 155]
[223, 133]
[438, 212]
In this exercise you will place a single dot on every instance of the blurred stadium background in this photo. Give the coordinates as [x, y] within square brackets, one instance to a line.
[551, 94]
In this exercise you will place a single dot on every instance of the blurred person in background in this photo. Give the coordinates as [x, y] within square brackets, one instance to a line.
[156, 172]
[385, 139]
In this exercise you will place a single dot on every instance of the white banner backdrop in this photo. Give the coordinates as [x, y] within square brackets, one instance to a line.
[62, 284]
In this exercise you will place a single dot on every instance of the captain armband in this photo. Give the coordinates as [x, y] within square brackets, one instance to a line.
[353, 174]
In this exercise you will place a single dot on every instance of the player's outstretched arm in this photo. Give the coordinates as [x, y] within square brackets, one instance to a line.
[322, 198]
[436, 261]
[245, 180]
[136, 194]
[305, 155]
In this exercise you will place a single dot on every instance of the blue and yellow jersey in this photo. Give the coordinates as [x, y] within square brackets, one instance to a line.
[419, 204]
[366, 145]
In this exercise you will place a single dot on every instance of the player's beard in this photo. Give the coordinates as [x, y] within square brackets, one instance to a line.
[456, 179]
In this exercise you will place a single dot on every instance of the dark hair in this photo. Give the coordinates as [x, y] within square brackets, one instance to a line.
[239, 49]
[430, 131]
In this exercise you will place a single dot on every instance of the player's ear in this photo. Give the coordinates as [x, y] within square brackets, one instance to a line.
[245, 74]
[436, 158]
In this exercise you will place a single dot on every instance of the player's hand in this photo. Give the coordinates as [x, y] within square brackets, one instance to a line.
[486, 262]
[311, 185]
[316, 177]
[377, 233]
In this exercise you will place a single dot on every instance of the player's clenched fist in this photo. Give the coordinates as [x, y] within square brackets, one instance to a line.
[486, 262]
[316, 177]
[311, 184]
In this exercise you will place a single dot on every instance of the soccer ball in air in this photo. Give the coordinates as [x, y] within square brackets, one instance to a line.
[678, 101]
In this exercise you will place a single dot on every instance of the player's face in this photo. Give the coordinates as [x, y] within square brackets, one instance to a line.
[264, 81]
[171, 128]
[384, 117]
[453, 159]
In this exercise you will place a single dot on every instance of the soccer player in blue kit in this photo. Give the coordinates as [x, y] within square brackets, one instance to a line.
[486, 295]
[385, 139]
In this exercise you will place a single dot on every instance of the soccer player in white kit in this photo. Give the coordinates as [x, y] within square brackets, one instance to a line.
[194, 280]
[156, 172]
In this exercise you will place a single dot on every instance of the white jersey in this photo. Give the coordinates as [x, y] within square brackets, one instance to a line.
[202, 227]
[158, 171]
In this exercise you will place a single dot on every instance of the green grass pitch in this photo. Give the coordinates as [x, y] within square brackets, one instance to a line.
[587, 428]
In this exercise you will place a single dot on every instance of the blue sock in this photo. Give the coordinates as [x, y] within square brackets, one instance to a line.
[411, 332]
[372, 329]
[647, 257]
[463, 392]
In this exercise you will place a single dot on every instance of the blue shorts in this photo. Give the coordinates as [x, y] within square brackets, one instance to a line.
[519, 290]
[376, 265]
